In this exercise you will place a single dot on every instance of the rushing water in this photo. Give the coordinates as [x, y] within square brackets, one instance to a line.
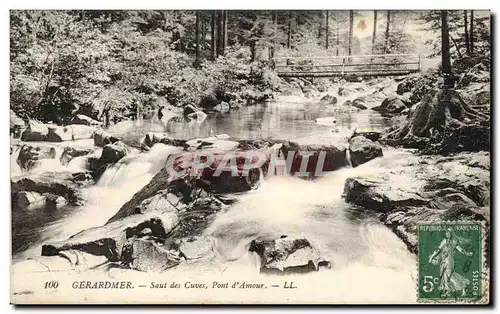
[364, 254]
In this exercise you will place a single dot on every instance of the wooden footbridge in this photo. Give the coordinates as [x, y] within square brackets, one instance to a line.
[355, 65]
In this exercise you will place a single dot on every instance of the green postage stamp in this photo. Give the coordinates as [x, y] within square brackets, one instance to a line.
[450, 262]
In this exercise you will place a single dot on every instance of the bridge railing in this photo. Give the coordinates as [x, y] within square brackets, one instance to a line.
[342, 65]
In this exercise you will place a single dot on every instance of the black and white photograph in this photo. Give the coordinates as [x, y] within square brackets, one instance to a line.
[250, 156]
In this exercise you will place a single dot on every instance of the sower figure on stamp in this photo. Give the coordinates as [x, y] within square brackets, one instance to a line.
[450, 281]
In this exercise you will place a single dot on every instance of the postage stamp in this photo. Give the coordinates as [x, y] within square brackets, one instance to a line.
[450, 262]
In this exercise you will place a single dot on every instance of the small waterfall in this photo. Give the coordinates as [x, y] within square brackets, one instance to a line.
[15, 169]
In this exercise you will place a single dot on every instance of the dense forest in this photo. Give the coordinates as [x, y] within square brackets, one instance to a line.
[124, 62]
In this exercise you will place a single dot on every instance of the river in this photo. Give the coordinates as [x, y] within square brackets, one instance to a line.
[365, 255]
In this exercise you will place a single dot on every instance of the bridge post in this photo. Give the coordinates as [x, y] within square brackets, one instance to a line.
[418, 62]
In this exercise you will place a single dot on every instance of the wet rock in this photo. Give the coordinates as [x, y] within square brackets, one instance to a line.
[356, 103]
[189, 109]
[71, 152]
[425, 188]
[330, 147]
[148, 256]
[330, 99]
[112, 153]
[58, 183]
[108, 240]
[372, 136]
[25, 199]
[70, 132]
[390, 107]
[30, 155]
[195, 247]
[362, 150]
[378, 194]
[36, 131]
[154, 138]
[229, 179]
[102, 138]
[222, 107]
[286, 255]
[82, 179]
[53, 201]
[84, 120]
[406, 85]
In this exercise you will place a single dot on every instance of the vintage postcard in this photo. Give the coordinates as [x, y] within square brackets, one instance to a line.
[250, 157]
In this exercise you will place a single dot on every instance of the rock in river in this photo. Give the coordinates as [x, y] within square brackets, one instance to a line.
[57, 183]
[362, 150]
[287, 255]
[327, 152]
[149, 256]
[109, 239]
[102, 138]
[29, 155]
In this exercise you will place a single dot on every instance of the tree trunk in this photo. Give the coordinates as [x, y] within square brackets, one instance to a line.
[351, 28]
[320, 27]
[466, 31]
[338, 36]
[471, 32]
[197, 61]
[212, 36]
[253, 49]
[327, 30]
[374, 30]
[220, 33]
[224, 30]
[445, 50]
[387, 30]
[289, 38]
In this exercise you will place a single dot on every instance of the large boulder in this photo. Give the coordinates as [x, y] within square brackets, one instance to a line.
[53, 201]
[149, 256]
[362, 150]
[36, 131]
[390, 107]
[84, 120]
[287, 255]
[331, 147]
[70, 132]
[29, 155]
[380, 194]
[217, 176]
[71, 152]
[57, 183]
[25, 199]
[102, 138]
[112, 153]
[413, 189]
[108, 240]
